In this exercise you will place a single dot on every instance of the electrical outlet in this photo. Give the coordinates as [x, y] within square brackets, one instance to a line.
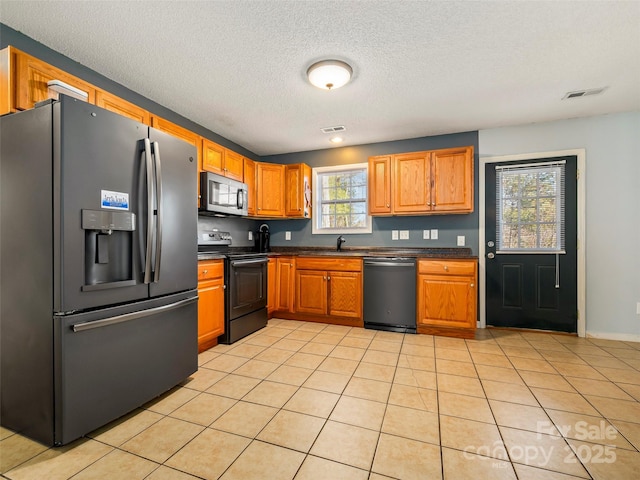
[404, 234]
[250, 235]
[434, 234]
[394, 234]
[461, 240]
[425, 234]
[287, 235]
[638, 308]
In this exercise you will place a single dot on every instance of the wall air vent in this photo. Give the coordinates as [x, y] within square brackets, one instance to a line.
[338, 128]
[584, 93]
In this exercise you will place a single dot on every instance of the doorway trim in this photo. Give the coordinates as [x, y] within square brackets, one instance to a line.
[581, 206]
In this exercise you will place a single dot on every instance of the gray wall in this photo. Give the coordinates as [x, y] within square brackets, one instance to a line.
[238, 227]
[449, 226]
[9, 36]
[612, 144]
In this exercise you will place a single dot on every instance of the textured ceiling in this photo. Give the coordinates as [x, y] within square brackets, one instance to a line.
[420, 67]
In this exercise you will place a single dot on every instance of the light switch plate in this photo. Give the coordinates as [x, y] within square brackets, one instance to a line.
[287, 235]
[434, 234]
[461, 240]
[394, 234]
[425, 234]
[404, 234]
[250, 235]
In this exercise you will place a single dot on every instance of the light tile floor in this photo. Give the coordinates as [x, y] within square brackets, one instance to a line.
[314, 401]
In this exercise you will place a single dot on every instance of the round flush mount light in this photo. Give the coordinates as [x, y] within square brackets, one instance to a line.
[336, 139]
[329, 74]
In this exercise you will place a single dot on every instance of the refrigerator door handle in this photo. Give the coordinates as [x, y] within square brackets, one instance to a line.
[148, 248]
[80, 327]
[158, 164]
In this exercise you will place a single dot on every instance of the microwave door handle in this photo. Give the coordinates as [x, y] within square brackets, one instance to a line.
[147, 252]
[158, 165]
[240, 198]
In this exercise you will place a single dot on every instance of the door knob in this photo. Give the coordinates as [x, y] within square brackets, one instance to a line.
[491, 255]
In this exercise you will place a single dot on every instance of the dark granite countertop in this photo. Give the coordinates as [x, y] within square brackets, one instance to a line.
[453, 252]
[210, 256]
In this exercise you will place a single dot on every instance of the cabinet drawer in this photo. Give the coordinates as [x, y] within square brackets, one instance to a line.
[210, 269]
[447, 267]
[335, 264]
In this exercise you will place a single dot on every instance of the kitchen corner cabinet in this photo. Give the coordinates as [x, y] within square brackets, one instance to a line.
[329, 288]
[249, 177]
[298, 191]
[210, 303]
[270, 186]
[422, 183]
[447, 298]
[122, 107]
[220, 160]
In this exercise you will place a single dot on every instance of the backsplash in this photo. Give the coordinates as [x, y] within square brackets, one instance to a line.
[238, 227]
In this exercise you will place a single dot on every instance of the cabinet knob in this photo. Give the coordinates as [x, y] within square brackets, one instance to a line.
[328, 278]
[446, 268]
[324, 278]
[428, 203]
[204, 272]
[472, 285]
[388, 205]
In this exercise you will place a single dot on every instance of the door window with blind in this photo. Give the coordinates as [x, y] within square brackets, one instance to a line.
[340, 195]
[530, 208]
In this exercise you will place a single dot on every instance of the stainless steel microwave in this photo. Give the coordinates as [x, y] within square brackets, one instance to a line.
[222, 196]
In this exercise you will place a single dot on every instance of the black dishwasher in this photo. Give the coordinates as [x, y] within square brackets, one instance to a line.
[390, 294]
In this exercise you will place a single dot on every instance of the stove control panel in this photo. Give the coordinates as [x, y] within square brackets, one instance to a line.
[214, 237]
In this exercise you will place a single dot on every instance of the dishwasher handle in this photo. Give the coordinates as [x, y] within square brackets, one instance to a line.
[391, 262]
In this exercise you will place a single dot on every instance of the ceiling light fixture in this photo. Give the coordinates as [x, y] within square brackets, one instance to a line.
[329, 74]
[336, 139]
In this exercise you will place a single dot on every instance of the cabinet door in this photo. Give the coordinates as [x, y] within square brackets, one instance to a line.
[380, 185]
[293, 191]
[452, 171]
[411, 183]
[269, 189]
[446, 301]
[345, 297]
[285, 284]
[213, 156]
[210, 312]
[233, 165]
[311, 292]
[122, 107]
[271, 284]
[32, 76]
[249, 177]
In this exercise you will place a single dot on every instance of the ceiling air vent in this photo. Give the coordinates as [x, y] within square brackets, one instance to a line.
[338, 128]
[584, 93]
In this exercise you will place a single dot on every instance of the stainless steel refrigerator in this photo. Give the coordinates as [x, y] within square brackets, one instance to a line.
[98, 267]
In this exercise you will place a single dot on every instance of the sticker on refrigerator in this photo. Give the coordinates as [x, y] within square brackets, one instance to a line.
[114, 200]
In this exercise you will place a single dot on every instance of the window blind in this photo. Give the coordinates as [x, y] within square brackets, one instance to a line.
[530, 208]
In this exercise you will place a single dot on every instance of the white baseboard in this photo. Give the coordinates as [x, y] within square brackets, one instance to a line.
[623, 337]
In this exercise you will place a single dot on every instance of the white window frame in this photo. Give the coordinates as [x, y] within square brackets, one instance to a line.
[316, 229]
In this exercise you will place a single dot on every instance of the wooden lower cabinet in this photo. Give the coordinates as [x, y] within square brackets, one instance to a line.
[447, 298]
[280, 285]
[210, 303]
[329, 290]
[271, 285]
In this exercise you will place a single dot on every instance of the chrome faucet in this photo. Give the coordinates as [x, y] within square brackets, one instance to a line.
[341, 240]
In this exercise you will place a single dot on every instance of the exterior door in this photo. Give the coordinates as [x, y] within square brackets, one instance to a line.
[531, 276]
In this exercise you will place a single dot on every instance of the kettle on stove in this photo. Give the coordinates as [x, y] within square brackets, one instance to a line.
[262, 238]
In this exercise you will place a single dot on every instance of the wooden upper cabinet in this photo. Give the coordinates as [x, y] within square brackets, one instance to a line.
[269, 189]
[31, 80]
[419, 183]
[221, 160]
[298, 190]
[452, 173]
[411, 180]
[122, 107]
[380, 184]
[212, 157]
[249, 177]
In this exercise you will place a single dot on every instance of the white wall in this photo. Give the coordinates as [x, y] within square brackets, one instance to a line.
[612, 144]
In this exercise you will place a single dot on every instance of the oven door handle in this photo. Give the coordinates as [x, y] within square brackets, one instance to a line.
[252, 261]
